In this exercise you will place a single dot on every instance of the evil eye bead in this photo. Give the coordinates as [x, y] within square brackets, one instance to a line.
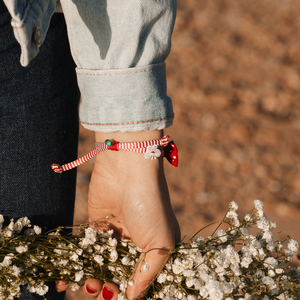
[109, 142]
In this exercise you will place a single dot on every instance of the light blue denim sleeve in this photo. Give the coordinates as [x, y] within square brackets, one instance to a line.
[119, 48]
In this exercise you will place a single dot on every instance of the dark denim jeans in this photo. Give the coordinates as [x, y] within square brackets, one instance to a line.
[38, 126]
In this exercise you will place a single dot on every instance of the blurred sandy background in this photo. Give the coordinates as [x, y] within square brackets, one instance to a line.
[234, 77]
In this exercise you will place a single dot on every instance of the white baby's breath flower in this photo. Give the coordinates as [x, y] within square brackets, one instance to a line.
[112, 242]
[222, 235]
[269, 282]
[190, 281]
[245, 232]
[288, 254]
[162, 277]
[132, 250]
[258, 204]
[41, 289]
[98, 249]
[215, 294]
[256, 244]
[271, 273]
[263, 224]
[233, 205]
[236, 222]
[58, 251]
[131, 282]
[189, 273]
[199, 240]
[37, 230]
[203, 291]
[74, 256]
[122, 296]
[7, 233]
[273, 225]
[31, 288]
[18, 226]
[15, 270]
[248, 218]
[124, 242]
[7, 259]
[246, 261]
[261, 215]
[126, 260]
[63, 262]
[293, 245]
[54, 233]
[268, 236]
[99, 259]
[177, 269]
[204, 268]
[226, 288]
[90, 237]
[123, 285]
[270, 247]
[232, 215]
[25, 222]
[261, 254]
[73, 286]
[170, 277]
[282, 297]
[22, 248]
[279, 246]
[113, 256]
[78, 276]
[79, 251]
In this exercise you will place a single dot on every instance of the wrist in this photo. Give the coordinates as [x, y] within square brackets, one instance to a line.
[123, 137]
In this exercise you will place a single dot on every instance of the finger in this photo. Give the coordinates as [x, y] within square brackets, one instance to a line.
[109, 292]
[61, 285]
[149, 267]
[92, 287]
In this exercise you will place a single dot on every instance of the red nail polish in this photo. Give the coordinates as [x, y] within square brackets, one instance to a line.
[90, 290]
[107, 294]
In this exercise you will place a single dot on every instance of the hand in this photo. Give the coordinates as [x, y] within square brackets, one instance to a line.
[133, 192]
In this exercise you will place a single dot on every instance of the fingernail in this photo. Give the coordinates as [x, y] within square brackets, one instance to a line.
[107, 294]
[90, 290]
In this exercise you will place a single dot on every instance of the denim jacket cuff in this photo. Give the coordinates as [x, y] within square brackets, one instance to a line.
[125, 100]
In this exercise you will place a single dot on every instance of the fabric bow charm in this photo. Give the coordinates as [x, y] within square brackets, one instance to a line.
[171, 154]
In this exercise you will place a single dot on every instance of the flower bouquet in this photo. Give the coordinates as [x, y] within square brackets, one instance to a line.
[230, 264]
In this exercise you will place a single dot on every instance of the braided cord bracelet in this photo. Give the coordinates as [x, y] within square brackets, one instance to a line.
[148, 148]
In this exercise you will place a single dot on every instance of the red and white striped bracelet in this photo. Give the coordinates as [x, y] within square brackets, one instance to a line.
[148, 148]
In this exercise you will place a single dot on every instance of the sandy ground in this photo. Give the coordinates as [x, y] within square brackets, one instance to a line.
[234, 77]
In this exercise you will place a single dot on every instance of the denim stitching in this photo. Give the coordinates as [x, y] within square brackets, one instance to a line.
[17, 27]
[148, 70]
[129, 123]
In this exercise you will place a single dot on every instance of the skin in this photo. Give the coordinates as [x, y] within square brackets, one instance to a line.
[133, 192]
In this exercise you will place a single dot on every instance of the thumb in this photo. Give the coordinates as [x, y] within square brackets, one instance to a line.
[150, 264]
